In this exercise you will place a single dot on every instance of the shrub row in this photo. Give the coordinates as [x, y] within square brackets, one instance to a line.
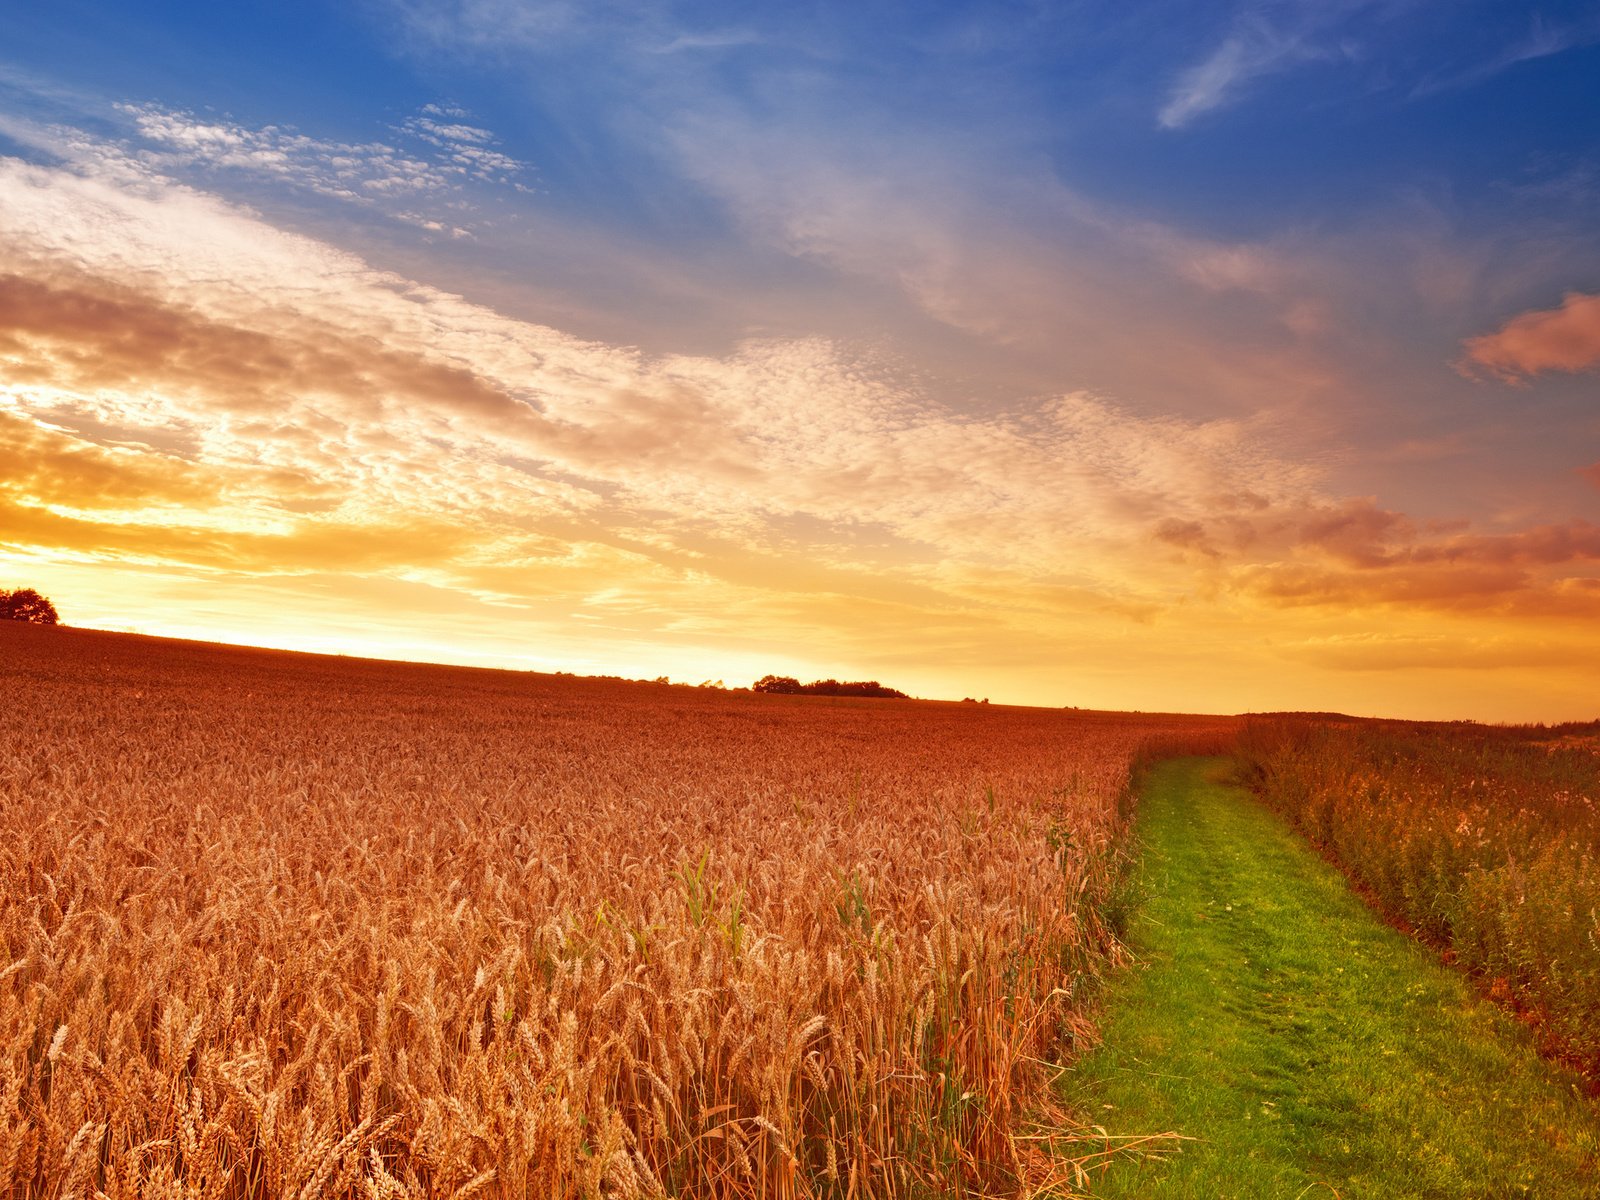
[1483, 839]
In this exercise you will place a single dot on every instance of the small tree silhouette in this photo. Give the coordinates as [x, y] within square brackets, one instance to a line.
[787, 685]
[25, 604]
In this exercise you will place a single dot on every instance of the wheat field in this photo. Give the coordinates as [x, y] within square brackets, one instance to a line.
[281, 925]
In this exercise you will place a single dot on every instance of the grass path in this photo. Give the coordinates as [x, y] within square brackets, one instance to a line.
[1310, 1049]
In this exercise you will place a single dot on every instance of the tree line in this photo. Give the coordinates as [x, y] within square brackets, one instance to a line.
[787, 685]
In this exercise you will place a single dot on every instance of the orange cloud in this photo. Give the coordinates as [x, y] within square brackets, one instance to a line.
[1357, 532]
[47, 465]
[61, 492]
[99, 335]
[1411, 652]
[1543, 545]
[1554, 339]
[1513, 574]
[1185, 535]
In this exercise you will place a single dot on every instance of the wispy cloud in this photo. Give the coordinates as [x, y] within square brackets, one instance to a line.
[1084, 286]
[1542, 41]
[421, 178]
[496, 26]
[1245, 56]
[447, 154]
[1360, 556]
[726, 39]
[1266, 39]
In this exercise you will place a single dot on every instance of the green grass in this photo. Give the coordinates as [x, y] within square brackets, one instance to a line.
[1309, 1049]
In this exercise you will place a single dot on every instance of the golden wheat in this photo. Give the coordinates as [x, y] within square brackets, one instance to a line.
[295, 926]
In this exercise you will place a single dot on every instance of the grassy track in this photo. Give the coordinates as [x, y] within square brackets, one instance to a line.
[1310, 1049]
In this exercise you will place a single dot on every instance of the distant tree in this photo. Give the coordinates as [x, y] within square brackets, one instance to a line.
[786, 685]
[25, 604]
[866, 687]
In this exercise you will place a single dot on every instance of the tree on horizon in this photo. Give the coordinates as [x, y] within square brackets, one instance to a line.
[25, 604]
[787, 685]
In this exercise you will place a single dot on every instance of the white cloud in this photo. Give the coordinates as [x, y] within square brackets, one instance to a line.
[1029, 268]
[727, 39]
[1265, 40]
[467, 151]
[447, 156]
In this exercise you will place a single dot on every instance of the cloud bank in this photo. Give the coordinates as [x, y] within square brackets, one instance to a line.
[189, 392]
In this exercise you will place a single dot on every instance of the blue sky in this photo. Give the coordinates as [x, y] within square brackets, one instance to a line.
[1332, 257]
[1231, 122]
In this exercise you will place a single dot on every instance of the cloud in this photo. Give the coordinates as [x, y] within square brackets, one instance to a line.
[151, 306]
[1575, 541]
[1356, 532]
[40, 462]
[1360, 556]
[1542, 41]
[468, 151]
[1458, 590]
[1394, 653]
[150, 310]
[421, 179]
[727, 39]
[1217, 81]
[94, 339]
[1557, 339]
[1024, 266]
[1275, 38]
[1186, 535]
[1262, 43]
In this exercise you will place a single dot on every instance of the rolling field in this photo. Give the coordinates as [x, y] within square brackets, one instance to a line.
[297, 926]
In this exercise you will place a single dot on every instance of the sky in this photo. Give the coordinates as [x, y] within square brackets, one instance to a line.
[1159, 356]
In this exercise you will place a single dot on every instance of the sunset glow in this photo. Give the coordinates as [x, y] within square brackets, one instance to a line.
[1196, 360]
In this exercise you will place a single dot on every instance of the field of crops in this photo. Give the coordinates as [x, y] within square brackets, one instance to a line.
[277, 924]
[1485, 840]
